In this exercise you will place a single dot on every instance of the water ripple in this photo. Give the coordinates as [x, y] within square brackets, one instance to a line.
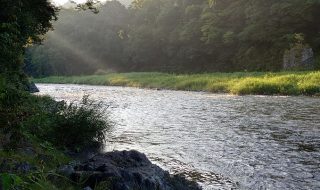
[222, 141]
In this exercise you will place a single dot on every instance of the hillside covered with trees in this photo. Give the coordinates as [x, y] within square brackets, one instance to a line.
[178, 36]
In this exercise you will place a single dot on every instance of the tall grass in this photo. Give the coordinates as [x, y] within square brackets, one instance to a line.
[281, 83]
[36, 132]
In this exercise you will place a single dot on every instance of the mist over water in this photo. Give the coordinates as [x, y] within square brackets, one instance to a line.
[221, 141]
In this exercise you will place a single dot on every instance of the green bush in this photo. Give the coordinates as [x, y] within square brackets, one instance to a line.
[72, 126]
[80, 125]
[10, 115]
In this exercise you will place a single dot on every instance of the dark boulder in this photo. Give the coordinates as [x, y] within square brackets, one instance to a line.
[32, 88]
[126, 170]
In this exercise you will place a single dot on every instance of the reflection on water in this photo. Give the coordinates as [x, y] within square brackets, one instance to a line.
[222, 141]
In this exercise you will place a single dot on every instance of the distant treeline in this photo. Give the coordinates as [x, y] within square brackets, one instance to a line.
[177, 36]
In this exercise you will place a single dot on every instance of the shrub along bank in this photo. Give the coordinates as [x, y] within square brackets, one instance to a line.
[37, 133]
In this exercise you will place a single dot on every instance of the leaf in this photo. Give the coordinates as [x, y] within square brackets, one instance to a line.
[9, 180]
[6, 181]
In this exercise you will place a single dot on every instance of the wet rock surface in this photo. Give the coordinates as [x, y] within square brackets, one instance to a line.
[125, 170]
[32, 88]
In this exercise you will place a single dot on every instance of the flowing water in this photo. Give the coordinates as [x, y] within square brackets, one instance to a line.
[221, 141]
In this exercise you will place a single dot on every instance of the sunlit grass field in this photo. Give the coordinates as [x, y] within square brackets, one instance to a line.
[241, 83]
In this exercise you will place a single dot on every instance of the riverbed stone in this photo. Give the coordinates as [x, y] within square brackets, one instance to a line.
[24, 167]
[126, 170]
[66, 170]
[32, 88]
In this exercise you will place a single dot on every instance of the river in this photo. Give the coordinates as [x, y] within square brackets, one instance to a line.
[221, 141]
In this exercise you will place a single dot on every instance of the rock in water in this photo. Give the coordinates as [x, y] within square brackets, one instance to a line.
[32, 88]
[127, 170]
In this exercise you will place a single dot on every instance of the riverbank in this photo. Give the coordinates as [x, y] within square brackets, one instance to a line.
[241, 83]
[45, 144]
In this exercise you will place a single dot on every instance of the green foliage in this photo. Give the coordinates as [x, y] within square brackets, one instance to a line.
[21, 23]
[45, 127]
[282, 83]
[82, 125]
[182, 36]
[10, 115]
[63, 53]
[48, 180]
[72, 126]
[10, 181]
[43, 163]
[263, 87]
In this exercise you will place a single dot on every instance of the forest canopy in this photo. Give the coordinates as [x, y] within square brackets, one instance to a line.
[177, 36]
[22, 23]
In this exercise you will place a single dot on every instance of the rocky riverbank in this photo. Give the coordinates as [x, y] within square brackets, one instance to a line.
[39, 137]
[124, 170]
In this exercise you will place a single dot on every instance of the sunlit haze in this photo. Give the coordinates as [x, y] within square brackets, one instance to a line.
[160, 94]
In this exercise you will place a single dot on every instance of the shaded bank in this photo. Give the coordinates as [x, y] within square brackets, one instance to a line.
[241, 83]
